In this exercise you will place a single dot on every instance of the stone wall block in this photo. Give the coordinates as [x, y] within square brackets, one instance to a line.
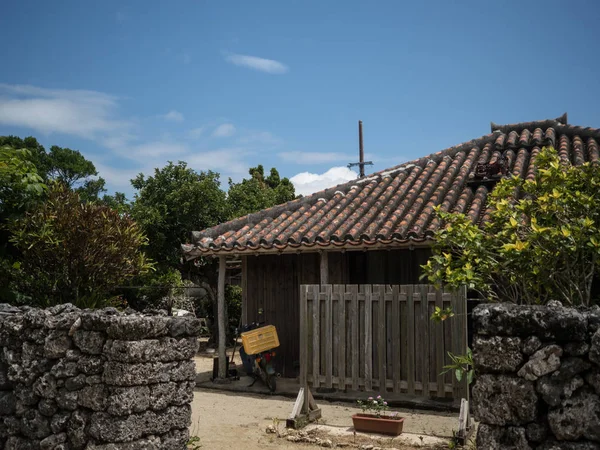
[490, 437]
[53, 441]
[593, 379]
[576, 348]
[553, 390]
[45, 386]
[183, 371]
[167, 394]
[164, 349]
[504, 400]
[128, 400]
[107, 428]
[531, 345]
[122, 374]
[562, 445]
[550, 324]
[136, 328]
[72, 379]
[91, 365]
[93, 397]
[594, 354]
[184, 327]
[56, 344]
[497, 354]
[34, 424]
[64, 369]
[542, 362]
[578, 417]
[175, 439]
[8, 403]
[90, 342]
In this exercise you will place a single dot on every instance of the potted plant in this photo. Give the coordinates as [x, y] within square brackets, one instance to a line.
[374, 418]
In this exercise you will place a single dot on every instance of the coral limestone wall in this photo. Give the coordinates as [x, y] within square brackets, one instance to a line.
[537, 377]
[74, 379]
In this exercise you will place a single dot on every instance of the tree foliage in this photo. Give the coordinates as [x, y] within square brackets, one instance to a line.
[542, 241]
[75, 252]
[258, 192]
[173, 202]
[20, 184]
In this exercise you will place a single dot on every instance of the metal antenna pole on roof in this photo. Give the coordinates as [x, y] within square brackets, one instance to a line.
[361, 164]
[361, 150]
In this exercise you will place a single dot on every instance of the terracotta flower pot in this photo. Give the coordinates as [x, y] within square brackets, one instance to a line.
[370, 423]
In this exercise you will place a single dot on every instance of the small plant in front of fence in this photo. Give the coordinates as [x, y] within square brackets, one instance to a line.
[377, 406]
[374, 418]
[461, 365]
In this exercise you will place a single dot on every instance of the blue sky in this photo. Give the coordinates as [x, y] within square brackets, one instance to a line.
[228, 85]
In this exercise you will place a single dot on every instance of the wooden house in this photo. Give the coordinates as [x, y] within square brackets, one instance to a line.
[377, 229]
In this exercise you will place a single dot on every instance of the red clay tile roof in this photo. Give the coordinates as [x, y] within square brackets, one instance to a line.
[395, 206]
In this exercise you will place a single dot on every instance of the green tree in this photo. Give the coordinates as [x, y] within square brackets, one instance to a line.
[20, 184]
[542, 241]
[118, 202]
[20, 188]
[61, 164]
[75, 252]
[36, 151]
[258, 192]
[173, 202]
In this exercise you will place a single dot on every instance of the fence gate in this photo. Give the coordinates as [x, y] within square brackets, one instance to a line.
[381, 338]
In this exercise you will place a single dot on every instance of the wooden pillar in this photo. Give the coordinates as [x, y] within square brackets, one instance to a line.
[324, 268]
[244, 289]
[221, 318]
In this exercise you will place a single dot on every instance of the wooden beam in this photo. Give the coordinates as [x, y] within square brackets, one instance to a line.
[324, 267]
[314, 248]
[221, 317]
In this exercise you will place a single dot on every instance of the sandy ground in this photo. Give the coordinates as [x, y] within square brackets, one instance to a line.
[224, 420]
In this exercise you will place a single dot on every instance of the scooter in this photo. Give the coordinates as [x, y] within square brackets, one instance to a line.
[259, 365]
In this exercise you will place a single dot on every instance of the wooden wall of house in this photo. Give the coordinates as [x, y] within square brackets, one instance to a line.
[272, 285]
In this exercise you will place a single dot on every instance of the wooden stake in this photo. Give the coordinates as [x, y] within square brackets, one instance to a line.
[221, 317]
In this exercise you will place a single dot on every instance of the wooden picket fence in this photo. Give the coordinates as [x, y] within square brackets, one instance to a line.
[381, 338]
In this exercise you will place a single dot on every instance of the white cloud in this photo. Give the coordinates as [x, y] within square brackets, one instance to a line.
[224, 130]
[173, 116]
[228, 161]
[156, 150]
[314, 157]
[120, 179]
[307, 183]
[81, 113]
[195, 133]
[256, 63]
[126, 146]
[259, 137]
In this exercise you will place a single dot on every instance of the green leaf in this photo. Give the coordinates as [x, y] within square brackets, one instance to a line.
[470, 376]
[459, 374]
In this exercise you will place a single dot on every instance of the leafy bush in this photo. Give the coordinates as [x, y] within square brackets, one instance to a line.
[542, 240]
[75, 252]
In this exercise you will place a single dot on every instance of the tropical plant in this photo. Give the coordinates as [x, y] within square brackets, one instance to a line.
[542, 240]
[462, 365]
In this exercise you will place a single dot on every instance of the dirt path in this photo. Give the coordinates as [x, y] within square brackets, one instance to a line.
[232, 420]
[224, 420]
